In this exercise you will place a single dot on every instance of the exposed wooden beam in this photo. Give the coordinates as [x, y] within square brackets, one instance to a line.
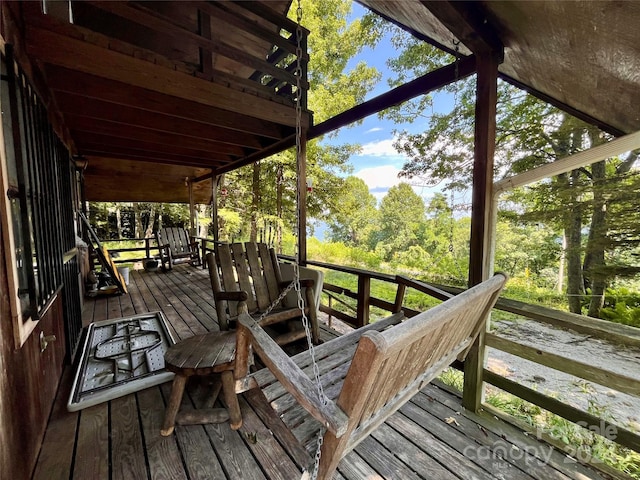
[278, 18]
[480, 243]
[427, 83]
[484, 148]
[80, 124]
[467, 23]
[101, 165]
[127, 116]
[159, 148]
[420, 86]
[78, 83]
[142, 156]
[82, 56]
[563, 106]
[610, 149]
[145, 16]
[221, 11]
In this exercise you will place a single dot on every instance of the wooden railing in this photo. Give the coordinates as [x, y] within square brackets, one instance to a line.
[599, 329]
[150, 248]
[357, 311]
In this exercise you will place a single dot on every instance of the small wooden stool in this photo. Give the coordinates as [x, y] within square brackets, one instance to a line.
[202, 355]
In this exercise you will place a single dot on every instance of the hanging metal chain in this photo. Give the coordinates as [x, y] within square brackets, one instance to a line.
[296, 269]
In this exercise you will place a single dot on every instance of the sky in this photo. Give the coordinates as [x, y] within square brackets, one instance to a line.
[379, 163]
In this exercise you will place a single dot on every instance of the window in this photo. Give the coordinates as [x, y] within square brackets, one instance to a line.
[33, 172]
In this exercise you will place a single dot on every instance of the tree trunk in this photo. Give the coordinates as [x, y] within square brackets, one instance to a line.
[563, 260]
[152, 217]
[279, 192]
[118, 221]
[255, 184]
[573, 234]
[137, 221]
[594, 255]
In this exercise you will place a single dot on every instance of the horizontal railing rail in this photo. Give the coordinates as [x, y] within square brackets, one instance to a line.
[599, 329]
[356, 305]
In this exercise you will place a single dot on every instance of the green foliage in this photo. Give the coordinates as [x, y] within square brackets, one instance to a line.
[402, 213]
[578, 441]
[622, 305]
[230, 224]
[355, 215]
[264, 195]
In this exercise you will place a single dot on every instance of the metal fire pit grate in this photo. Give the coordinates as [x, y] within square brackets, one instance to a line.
[121, 356]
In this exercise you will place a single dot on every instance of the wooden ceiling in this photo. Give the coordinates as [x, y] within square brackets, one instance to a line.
[583, 56]
[153, 93]
[137, 87]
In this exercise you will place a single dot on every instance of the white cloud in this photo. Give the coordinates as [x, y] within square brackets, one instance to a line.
[378, 178]
[374, 129]
[380, 148]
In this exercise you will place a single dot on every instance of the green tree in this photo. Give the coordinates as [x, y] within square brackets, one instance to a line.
[355, 216]
[266, 191]
[402, 215]
[529, 133]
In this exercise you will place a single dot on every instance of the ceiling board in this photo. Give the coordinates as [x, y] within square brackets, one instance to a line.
[128, 116]
[583, 56]
[135, 181]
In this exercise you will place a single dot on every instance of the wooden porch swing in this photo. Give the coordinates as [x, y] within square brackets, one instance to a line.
[366, 375]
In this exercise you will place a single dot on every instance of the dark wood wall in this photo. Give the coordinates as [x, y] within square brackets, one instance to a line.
[28, 383]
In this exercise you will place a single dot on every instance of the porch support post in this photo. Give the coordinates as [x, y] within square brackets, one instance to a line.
[485, 134]
[192, 209]
[302, 200]
[214, 207]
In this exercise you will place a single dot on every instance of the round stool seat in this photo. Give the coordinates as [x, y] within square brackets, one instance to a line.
[202, 354]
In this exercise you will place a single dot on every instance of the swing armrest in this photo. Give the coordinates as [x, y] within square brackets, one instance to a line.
[238, 296]
[292, 378]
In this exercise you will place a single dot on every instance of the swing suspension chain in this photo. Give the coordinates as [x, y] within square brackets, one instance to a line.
[296, 271]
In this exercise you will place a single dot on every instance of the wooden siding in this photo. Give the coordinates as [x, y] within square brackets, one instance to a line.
[28, 384]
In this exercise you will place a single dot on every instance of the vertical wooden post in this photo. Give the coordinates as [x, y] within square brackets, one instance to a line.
[364, 300]
[214, 208]
[192, 209]
[485, 134]
[302, 200]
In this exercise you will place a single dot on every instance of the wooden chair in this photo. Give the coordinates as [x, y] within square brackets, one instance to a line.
[176, 247]
[250, 274]
[387, 369]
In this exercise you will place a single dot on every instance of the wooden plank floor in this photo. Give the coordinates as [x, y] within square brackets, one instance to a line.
[120, 439]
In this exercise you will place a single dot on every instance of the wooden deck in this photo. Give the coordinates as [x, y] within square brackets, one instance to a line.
[429, 438]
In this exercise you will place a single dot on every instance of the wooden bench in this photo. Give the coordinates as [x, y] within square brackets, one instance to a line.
[388, 368]
[176, 247]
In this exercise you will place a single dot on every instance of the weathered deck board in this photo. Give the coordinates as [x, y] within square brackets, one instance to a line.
[120, 438]
[92, 454]
[56, 454]
[163, 453]
[127, 443]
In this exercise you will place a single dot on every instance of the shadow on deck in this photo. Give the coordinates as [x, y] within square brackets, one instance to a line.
[431, 437]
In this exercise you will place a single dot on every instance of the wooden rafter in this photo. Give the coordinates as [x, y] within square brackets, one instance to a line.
[468, 25]
[122, 94]
[129, 116]
[78, 55]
